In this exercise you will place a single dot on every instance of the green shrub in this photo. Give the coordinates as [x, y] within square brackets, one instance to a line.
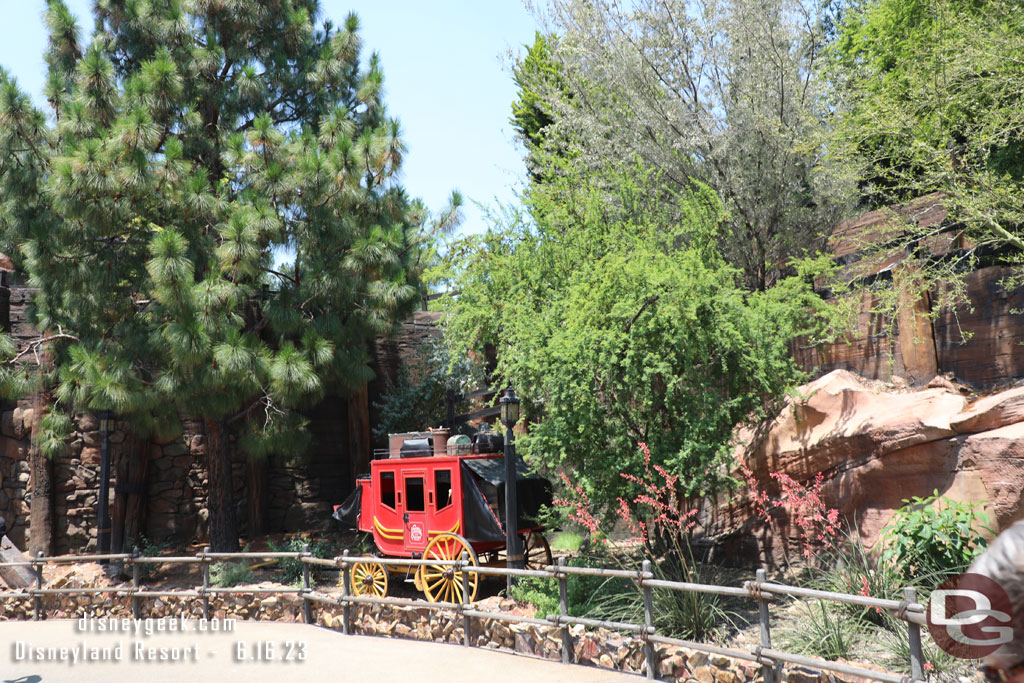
[290, 569]
[931, 539]
[228, 574]
[581, 591]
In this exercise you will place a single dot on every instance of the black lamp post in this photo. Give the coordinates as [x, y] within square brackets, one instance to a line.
[103, 533]
[509, 403]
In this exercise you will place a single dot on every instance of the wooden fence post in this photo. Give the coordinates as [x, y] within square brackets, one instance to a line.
[37, 601]
[206, 583]
[648, 621]
[306, 611]
[563, 610]
[466, 619]
[767, 670]
[346, 590]
[136, 602]
[914, 638]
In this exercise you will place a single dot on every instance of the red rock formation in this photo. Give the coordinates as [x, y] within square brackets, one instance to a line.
[877, 446]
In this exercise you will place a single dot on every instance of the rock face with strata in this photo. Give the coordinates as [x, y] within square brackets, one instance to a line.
[876, 446]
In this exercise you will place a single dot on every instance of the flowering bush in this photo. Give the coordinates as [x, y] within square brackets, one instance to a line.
[816, 524]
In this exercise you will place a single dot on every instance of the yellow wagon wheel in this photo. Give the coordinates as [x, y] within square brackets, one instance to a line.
[536, 551]
[369, 578]
[443, 583]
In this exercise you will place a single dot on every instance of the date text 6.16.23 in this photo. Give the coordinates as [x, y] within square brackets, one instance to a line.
[270, 651]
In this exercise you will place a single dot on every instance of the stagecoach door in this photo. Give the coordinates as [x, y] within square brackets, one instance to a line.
[414, 486]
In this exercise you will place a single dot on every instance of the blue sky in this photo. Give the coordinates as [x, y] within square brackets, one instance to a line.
[446, 79]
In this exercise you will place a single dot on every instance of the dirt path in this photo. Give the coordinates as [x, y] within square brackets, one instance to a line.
[257, 652]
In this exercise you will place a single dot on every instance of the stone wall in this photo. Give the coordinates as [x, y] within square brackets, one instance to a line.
[300, 494]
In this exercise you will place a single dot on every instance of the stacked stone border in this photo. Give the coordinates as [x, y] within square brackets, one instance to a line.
[559, 636]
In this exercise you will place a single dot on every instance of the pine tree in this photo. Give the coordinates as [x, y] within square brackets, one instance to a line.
[194, 145]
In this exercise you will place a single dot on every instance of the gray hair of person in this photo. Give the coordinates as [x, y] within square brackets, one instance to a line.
[1003, 562]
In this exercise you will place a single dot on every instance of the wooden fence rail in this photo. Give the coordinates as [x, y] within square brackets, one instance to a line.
[759, 589]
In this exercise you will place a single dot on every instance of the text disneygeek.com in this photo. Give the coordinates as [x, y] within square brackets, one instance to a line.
[134, 646]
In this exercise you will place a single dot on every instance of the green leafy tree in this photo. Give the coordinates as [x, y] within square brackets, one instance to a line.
[212, 219]
[928, 92]
[729, 94]
[619, 322]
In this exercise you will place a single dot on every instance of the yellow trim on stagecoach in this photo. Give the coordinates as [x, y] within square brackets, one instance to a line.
[390, 534]
[453, 530]
[396, 534]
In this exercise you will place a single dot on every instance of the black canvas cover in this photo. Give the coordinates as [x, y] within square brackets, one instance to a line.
[480, 524]
[532, 490]
[348, 512]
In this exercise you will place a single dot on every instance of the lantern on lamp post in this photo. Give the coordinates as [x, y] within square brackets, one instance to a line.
[103, 532]
[509, 405]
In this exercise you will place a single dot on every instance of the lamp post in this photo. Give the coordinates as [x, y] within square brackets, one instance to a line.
[103, 533]
[509, 403]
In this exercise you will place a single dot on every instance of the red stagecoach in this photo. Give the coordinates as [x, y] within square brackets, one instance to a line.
[431, 500]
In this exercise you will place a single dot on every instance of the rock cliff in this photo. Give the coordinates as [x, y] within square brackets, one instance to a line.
[875, 446]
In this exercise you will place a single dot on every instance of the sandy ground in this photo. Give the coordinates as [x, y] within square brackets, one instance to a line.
[257, 652]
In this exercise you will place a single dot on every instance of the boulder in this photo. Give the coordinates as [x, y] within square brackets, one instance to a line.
[839, 417]
[876, 446]
[991, 412]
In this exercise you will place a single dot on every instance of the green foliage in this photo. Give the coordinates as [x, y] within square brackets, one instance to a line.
[619, 324]
[930, 539]
[290, 569]
[929, 103]
[228, 574]
[822, 630]
[411, 403]
[853, 569]
[54, 429]
[212, 218]
[729, 94]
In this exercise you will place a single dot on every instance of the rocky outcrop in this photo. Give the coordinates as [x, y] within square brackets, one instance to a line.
[877, 445]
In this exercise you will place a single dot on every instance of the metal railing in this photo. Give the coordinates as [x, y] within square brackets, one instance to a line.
[760, 590]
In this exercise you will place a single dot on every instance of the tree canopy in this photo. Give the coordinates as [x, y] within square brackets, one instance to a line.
[619, 321]
[728, 94]
[929, 94]
[211, 216]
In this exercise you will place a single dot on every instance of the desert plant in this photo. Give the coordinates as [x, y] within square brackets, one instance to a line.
[682, 614]
[930, 539]
[822, 630]
[851, 568]
[228, 574]
[896, 644]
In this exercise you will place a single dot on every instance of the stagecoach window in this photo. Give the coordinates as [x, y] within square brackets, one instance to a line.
[387, 489]
[442, 489]
[414, 494]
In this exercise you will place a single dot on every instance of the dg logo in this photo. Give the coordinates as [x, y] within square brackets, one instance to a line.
[970, 616]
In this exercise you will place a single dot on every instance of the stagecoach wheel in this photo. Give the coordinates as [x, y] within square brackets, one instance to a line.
[443, 583]
[369, 578]
[536, 551]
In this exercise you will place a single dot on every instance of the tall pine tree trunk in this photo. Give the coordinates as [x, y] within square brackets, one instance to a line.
[359, 432]
[40, 526]
[129, 493]
[220, 488]
[257, 492]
